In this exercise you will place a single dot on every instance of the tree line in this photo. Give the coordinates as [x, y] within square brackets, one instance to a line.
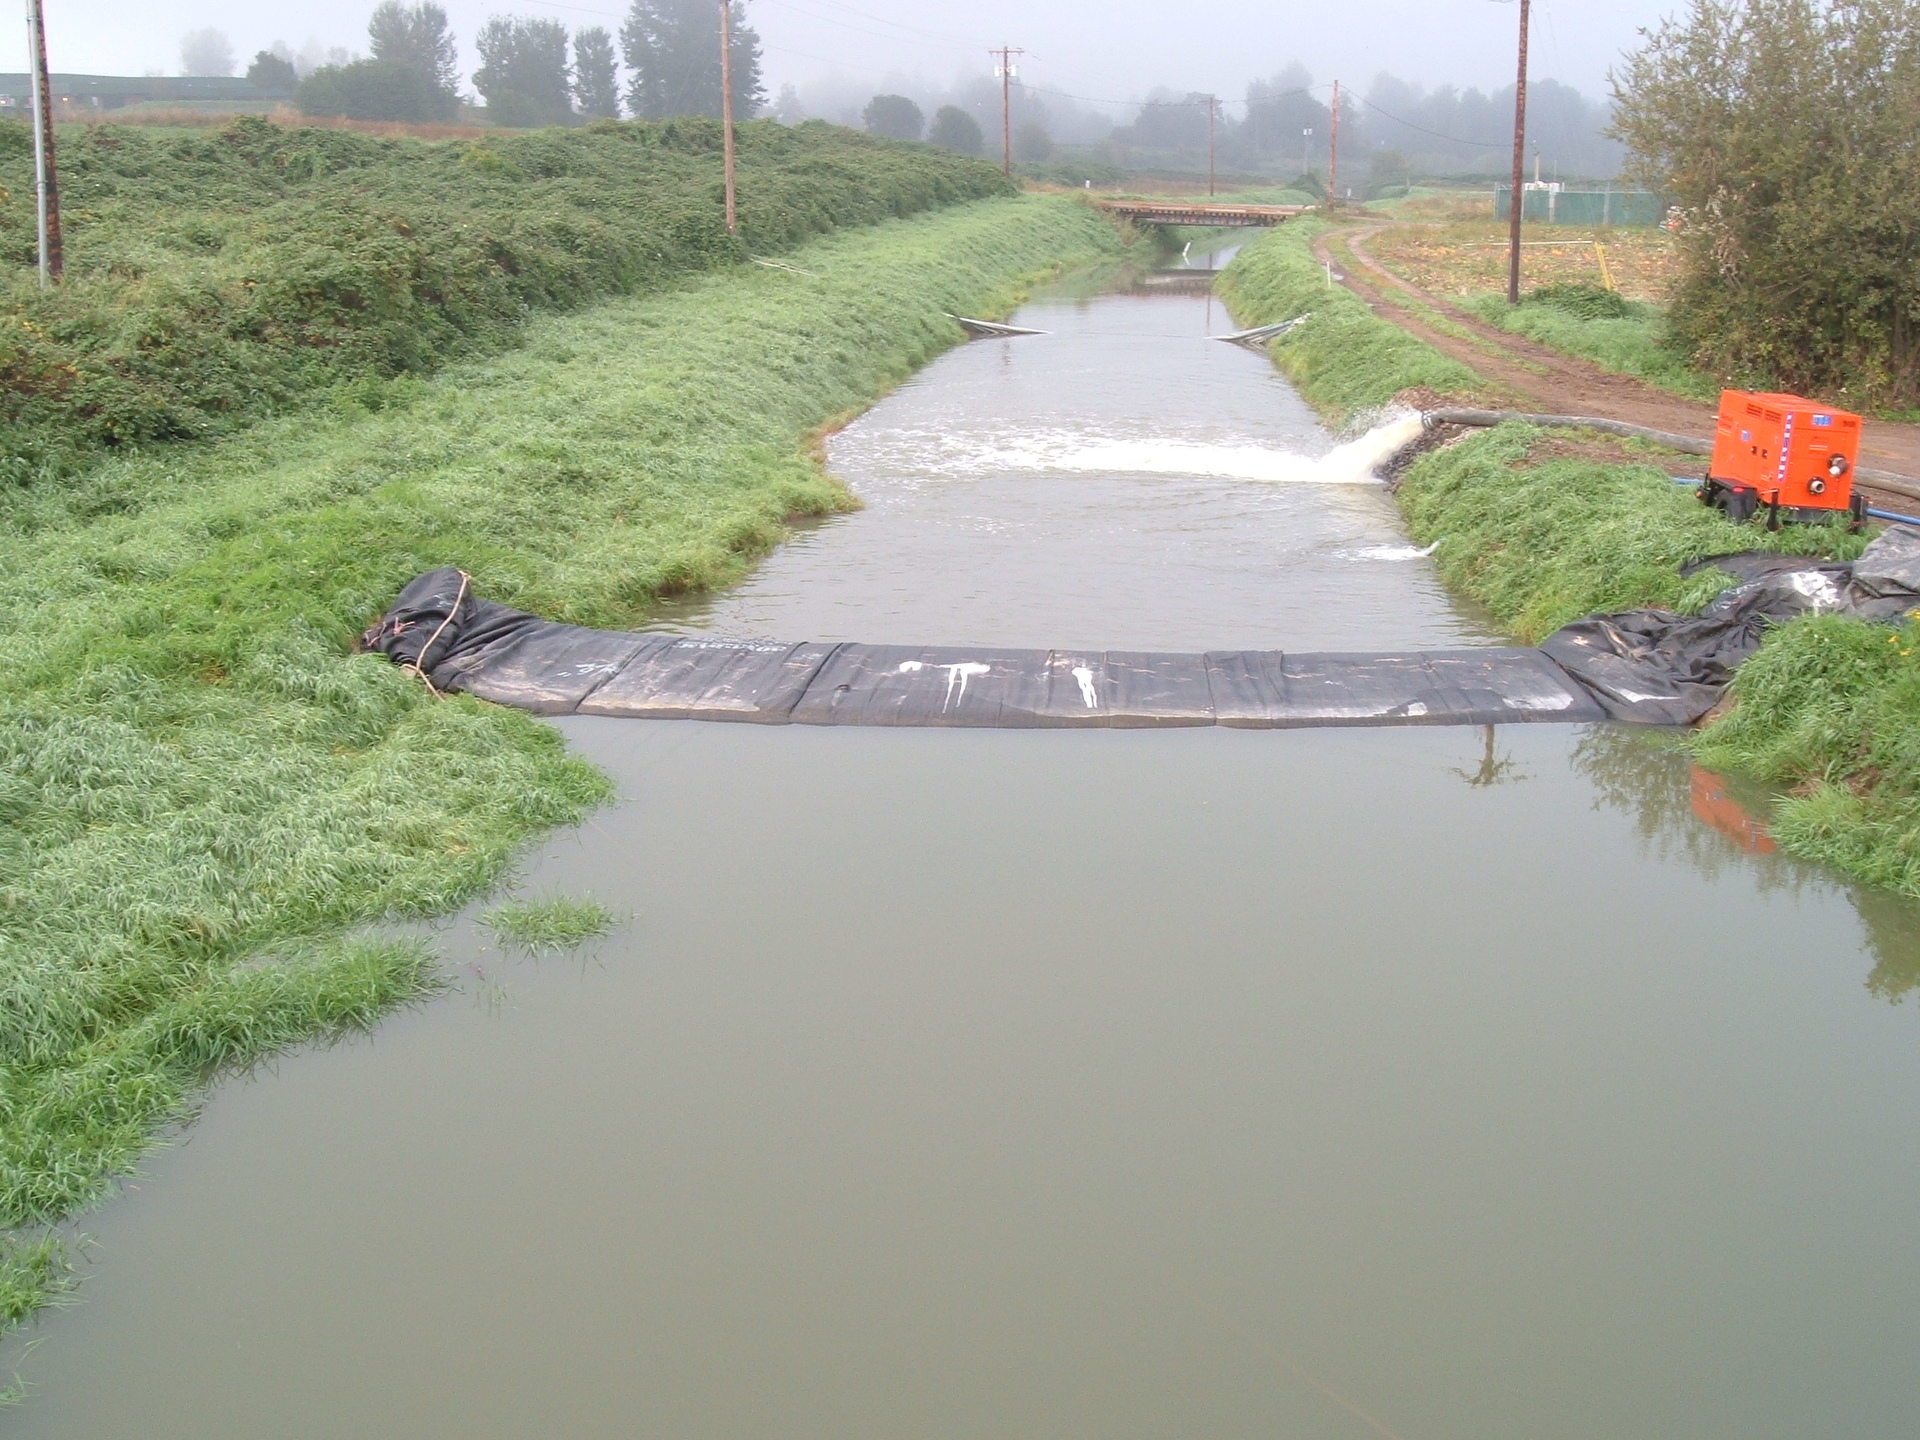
[532, 71]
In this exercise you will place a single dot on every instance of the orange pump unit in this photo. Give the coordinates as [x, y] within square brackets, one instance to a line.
[1784, 454]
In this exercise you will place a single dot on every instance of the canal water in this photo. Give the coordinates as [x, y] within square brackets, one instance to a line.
[1430, 1084]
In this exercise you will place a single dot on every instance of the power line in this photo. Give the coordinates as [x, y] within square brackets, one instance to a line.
[1450, 139]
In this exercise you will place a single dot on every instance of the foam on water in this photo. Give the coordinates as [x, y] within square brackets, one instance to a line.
[1066, 451]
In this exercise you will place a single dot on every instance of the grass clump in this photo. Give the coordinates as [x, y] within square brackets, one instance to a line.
[214, 277]
[1345, 359]
[205, 793]
[1542, 539]
[34, 1272]
[549, 926]
[1628, 337]
[1830, 708]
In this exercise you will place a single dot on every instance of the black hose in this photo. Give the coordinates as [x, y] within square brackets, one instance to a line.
[1686, 444]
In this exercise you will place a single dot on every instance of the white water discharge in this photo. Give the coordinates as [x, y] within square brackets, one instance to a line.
[1353, 463]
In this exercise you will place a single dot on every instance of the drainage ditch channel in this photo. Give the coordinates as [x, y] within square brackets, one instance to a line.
[1431, 1083]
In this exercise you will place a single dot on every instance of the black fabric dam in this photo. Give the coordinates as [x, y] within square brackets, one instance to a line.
[1650, 667]
[461, 642]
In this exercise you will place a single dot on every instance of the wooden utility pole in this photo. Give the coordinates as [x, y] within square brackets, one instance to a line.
[1333, 152]
[46, 183]
[1516, 198]
[726, 105]
[1005, 71]
[1211, 102]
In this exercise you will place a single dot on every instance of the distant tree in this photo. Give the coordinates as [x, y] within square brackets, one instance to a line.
[206, 52]
[372, 90]
[417, 36]
[673, 49]
[1388, 170]
[1168, 124]
[954, 129]
[596, 79]
[1031, 142]
[272, 75]
[787, 109]
[894, 116]
[523, 71]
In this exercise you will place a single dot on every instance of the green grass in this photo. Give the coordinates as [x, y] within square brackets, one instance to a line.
[1830, 707]
[1541, 544]
[218, 276]
[206, 795]
[1345, 360]
[1634, 343]
[551, 925]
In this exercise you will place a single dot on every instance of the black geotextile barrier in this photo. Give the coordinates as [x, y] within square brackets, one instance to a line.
[1651, 667]
[1658, 668]
[461, 642]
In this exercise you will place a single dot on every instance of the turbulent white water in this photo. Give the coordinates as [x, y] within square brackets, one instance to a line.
[1076, 451]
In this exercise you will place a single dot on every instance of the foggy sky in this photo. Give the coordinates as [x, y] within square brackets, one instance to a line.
[1101, 49]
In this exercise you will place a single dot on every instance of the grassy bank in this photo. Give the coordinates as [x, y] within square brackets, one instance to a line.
[1545, 527]
[1627, 337]
[215, 276]
[1343, 358]
[1828, 709]
[206, 794]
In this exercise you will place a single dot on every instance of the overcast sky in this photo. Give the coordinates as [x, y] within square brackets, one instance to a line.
[1103, 49]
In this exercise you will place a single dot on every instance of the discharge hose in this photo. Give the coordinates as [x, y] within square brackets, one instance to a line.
[1686, 444]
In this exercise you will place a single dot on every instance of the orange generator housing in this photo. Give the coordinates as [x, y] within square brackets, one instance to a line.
[1783, 454]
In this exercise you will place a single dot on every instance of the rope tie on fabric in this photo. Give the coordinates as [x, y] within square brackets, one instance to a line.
[452, 610]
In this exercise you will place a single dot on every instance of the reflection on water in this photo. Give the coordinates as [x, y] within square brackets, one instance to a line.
[1709, 823]
[1118, 1084]
[1713, 802]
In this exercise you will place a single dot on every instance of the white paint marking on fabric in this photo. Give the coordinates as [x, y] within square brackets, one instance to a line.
[959, 674]
[1085, 677]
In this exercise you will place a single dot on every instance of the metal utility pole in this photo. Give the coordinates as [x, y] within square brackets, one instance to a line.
[1211, 102]
[726, 104]
[1006, 72]
[1333, 151]
[46, 184]
[1516, 198]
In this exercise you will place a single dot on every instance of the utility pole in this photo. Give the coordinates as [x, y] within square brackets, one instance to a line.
[1006, 72]
[1333, 151]
[1516, 198]
[46, 184]
[726, 104]
[1211, 102]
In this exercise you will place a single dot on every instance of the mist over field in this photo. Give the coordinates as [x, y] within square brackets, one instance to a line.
[1111, 52]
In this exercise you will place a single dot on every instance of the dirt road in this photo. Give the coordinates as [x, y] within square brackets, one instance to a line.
[1532, 377]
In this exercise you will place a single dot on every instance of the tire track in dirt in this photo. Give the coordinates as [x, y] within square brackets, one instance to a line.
[1544, 380]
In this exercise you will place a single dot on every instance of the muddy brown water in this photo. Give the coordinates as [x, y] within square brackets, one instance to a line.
[1411, 1083]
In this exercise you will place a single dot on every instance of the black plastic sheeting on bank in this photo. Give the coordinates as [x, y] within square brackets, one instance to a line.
[1657, 668]
[515, 659]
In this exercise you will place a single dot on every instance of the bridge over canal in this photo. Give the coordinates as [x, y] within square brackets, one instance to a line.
[1166, 212]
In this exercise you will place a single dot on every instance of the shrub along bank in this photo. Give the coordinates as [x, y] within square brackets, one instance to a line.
[205, 793]
[1543, 531]
[214, 277]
